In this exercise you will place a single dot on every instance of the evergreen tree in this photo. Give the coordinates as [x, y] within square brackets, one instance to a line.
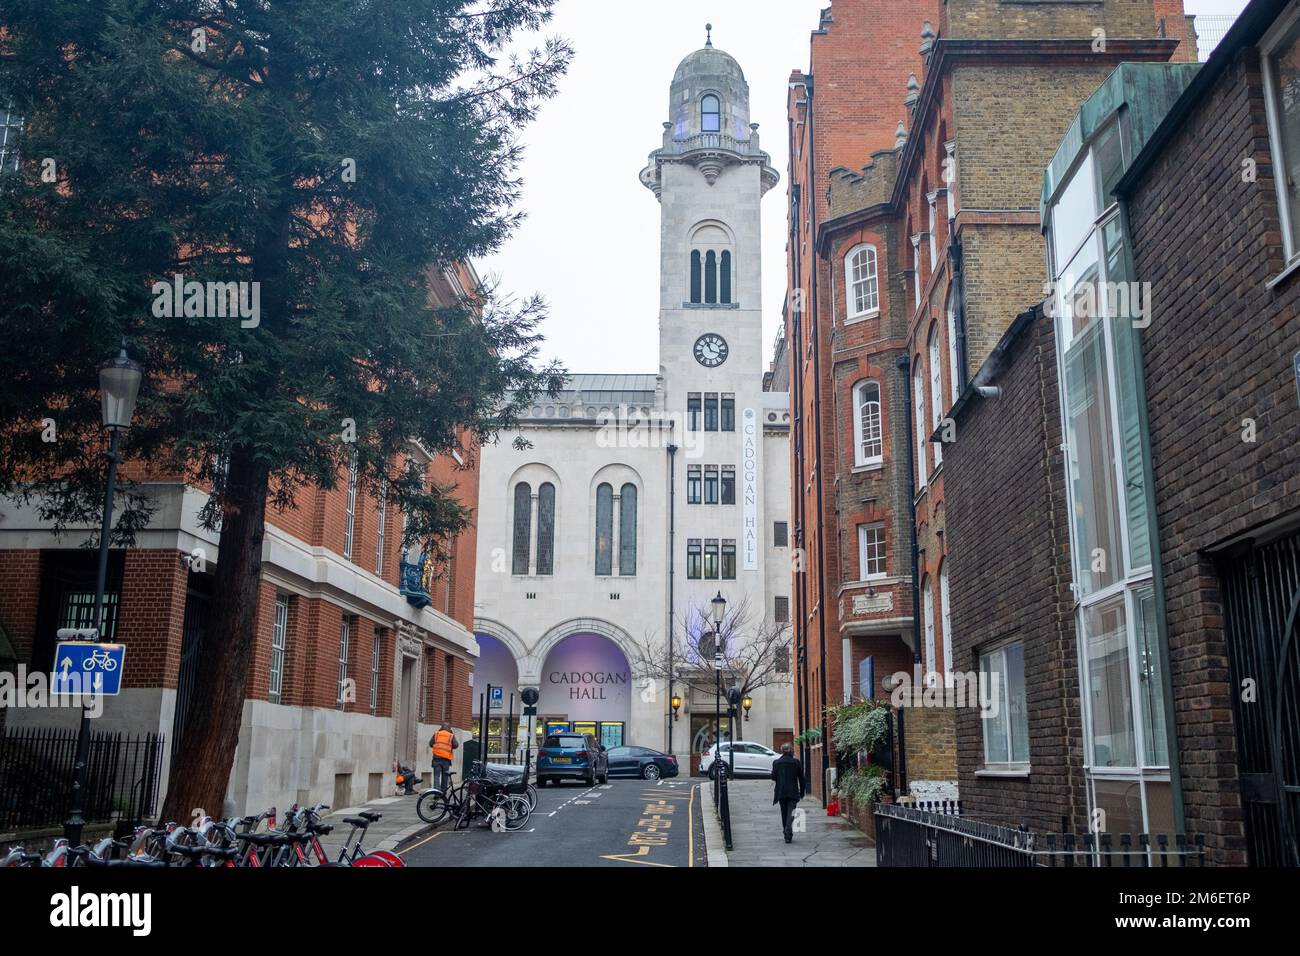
[331, 152]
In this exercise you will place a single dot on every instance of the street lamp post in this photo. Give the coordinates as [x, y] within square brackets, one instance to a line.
[119, 385]
[718, 613]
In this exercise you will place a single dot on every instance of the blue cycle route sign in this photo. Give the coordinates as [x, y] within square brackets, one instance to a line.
[81, 667]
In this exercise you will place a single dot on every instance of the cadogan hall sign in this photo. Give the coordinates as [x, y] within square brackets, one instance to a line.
[588, 685]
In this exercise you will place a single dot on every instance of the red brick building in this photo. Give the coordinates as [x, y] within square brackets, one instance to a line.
[918, 140]
[350, 668]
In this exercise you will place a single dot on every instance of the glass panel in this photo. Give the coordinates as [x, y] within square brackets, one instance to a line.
[1109, 694]
[546, 529]
[1075, 211]
[1128, 359]
[1151, 691]
[1017, 713]
[995, 735]
[1160, 809]
[1121, 801]
[726, 278]
[523, 527]
[1109, 157]
[697, 277]
[1285, 64]
[711, 277]
[1094, 497]
[604, 529]
[627, 531]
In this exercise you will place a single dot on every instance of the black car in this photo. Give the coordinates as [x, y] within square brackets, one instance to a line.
[640, 762]
[573, 757]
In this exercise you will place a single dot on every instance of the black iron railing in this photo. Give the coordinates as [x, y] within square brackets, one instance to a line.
[906, 837]
[121, 783]
[722, 802]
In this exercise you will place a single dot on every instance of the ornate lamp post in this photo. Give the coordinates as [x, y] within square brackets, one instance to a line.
[119, 385]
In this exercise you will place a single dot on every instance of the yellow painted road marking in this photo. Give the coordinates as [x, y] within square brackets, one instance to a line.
[632, 857]
[422, 842]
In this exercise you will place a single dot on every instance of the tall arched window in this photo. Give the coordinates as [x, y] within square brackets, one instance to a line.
[725, 278]
[918, 414]
[868, 436]
[945, 622]
[927, 600]
[627, 531]
[936, 392]
[861, 278]
[523, 527]
[546, 529]
[697, 277]
[604, 529]
[711, 114]
[710, 276]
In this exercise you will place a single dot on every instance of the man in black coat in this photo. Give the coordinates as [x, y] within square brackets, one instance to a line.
[787, 771]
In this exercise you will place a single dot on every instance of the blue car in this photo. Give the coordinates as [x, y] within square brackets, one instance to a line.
[572, 757]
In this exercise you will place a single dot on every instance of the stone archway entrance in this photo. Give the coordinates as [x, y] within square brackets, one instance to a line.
[497, 668]
[586, 686]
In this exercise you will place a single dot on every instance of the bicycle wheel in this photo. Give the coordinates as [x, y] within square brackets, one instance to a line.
[518, 811]
[432, 807]
[532, 797]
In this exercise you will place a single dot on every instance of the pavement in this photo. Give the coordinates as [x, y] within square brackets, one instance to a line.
[398, 825]
[819, 840]
[625, 822]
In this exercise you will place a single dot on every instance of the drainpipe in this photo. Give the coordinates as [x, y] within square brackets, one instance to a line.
[672, 563]
[956, 258]
[904, 367]
[817, 450]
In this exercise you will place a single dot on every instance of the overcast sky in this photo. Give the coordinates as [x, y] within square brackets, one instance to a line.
[590, 243]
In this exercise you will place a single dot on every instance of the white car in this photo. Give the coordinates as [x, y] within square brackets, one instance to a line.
[751, 759]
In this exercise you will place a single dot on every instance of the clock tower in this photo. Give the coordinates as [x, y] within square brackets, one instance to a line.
[710, 176]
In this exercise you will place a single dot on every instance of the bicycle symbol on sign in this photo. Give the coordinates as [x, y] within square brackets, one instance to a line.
[103, 660]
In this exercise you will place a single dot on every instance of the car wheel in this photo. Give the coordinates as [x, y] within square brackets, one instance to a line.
[604, 777]
[541, 781]
[650, 771]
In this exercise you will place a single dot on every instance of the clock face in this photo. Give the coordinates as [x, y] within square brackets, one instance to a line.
[711, 350]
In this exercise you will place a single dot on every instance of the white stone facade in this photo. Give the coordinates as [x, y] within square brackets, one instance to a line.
[632, 432]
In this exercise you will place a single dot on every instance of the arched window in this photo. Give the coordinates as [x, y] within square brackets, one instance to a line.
[697, 277]
[868, 436]
[523, 527]
[918, 414]
[627, 531]
[945, 622]
[604, 529]
[711, 276]
[936, 392]
[711, 114]
[927, 600]
[725, 277]
[861, 278]
[546, 529]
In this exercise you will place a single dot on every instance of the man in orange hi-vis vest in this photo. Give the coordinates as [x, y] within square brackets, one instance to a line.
[442, 743]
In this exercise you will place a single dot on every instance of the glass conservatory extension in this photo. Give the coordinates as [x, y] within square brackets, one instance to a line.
[1099, 312]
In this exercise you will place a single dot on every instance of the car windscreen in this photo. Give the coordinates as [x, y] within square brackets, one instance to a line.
[566, 743]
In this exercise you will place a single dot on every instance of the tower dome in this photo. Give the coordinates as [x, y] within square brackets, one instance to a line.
[708, 120]
[709, 94]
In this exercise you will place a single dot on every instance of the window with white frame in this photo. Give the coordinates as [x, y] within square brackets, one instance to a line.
[381, 525]
[934, 222]
[871, 551]
[1099, 357]
[861, 278]
[916, 271]
[1281, 56]
[375, 653]
[345, 636]
[927, 620]
[279, 641]
[918, 413]
[936, 392]
[869, 442]
[1004, 716]
[950, 178]
[945, 623]
[350, 525]
[954, 378]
